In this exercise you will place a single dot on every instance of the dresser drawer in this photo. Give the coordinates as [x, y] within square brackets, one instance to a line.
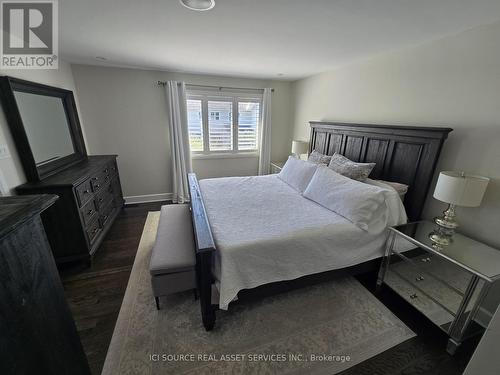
[92, 230]
[419, 300]
[106, 212]
[83, 192]
[104, 197]
[98, 182]
[116, 188]
[89, 212]
[113, 168]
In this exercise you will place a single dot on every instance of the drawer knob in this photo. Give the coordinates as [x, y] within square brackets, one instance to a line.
[419, 278]
[426, 259]
[413, 296]
[95, 178]
[97, 185]
[100, 200]
[106, 170]
[86, 191]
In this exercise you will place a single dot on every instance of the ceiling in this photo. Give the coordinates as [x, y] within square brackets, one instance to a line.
[278, 39]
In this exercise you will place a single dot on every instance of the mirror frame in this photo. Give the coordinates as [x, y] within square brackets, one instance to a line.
[33, 172]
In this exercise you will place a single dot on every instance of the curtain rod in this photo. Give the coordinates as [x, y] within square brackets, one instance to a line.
[163, 83]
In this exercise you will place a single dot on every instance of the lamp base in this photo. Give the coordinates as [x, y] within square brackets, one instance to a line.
[443, 235]
[448, 219]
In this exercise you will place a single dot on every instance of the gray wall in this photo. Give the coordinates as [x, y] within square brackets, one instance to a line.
[124, 112]
[62, 77]
[485, 360]
[452, 82]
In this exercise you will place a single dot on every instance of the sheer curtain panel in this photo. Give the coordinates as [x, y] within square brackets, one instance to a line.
[265, 134]
[179, 139]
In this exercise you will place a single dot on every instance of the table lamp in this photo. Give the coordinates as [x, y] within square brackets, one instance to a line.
[299, 148]
[456, 189]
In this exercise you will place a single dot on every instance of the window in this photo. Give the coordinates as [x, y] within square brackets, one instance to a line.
[223, 123]
[248, 120]
[195, 125]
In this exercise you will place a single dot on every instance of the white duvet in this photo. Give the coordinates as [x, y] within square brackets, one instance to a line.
[265, 231]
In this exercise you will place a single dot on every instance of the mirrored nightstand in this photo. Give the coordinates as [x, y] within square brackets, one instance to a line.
[276, 166]
[447, 284]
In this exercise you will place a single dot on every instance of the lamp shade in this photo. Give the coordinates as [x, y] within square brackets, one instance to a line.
[460, 189]
[300, 147]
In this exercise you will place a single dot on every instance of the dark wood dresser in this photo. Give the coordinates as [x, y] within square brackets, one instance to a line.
[37, 332]
[90, 198]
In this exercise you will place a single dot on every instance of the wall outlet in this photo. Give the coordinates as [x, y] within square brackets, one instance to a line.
[4, 152]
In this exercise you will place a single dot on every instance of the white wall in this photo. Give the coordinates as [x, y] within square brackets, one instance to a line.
[453, 82]
[62, 77]
[124, 112]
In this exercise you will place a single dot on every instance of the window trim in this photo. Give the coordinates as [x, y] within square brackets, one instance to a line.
[235, 97]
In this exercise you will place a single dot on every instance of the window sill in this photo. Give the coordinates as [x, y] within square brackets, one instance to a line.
[225, 155]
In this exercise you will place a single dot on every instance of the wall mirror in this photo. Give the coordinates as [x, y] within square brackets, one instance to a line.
[44, 124]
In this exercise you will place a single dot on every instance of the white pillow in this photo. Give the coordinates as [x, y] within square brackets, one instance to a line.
[297, 173]
[402, 189]
[393, 200]
[362, 204]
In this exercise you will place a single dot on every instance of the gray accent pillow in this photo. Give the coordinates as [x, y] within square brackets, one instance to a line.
[348, 168]
[319, 158]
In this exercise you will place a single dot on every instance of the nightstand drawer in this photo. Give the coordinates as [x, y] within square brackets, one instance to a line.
[439, 268]
[428, 285]
[435, 312]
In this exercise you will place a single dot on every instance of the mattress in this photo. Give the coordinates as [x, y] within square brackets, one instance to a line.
[265, 231]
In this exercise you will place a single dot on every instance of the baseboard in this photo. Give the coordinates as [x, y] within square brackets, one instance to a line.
[134, 199]
[483, 317]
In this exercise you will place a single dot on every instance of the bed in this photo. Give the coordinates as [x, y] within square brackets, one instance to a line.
[251, 231]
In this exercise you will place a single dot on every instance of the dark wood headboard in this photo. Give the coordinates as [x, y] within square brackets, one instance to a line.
[406, 154]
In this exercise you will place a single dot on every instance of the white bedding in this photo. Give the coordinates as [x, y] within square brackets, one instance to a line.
[265, 231]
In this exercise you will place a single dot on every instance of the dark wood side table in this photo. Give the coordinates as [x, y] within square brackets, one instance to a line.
[37, 331]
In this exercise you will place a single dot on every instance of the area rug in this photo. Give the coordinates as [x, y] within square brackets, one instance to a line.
[321, 329]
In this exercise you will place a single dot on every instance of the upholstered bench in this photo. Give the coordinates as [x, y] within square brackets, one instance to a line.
[173, 260]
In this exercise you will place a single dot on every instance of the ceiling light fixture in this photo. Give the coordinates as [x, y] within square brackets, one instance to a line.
[199, 5]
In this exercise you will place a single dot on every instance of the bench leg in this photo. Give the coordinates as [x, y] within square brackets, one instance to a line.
[157, 300]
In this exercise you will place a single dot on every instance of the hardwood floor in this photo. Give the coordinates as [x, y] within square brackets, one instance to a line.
[95, 295]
